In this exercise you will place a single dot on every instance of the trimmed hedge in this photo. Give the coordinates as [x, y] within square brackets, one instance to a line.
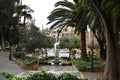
[42, 75]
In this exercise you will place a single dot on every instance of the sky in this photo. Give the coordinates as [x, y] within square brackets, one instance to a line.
[42, 9]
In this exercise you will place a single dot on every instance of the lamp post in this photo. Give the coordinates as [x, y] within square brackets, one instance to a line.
[92, 60]
[11, 28]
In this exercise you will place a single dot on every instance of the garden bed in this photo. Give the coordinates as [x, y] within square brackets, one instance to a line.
[64, 61]
[85, 65]
[33, 66]
[25, 62]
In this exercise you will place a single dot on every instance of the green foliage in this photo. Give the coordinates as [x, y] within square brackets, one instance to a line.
[85, 64]
[96, 54]
[37, 49]
[63, 63]
[26, 60]
[44, 61]
[37, 40]
[67, 76]
[6, 75]
[69, 42]
[47, 60]
[9, 76]
[81, 65]
[23, 49]
[43, 75]
[17, 55]
[29, 60]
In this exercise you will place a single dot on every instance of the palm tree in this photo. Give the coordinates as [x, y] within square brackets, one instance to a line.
[69, 15]
[25, 12]
[109, 18]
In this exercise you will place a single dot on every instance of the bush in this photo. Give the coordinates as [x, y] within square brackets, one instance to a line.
[47, 60]
[29, 60]
[9, 76]
[26, 60]
[67, 76]
[23, 49]
[6, 75]
[85, 65]
[17, 54]
[43, 75]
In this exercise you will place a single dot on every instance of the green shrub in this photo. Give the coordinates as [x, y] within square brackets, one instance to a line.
[17, 54]
[26, 60]
[47, 60]
[67, 76]
[85, 64]
[6, 75]
[44, 61]
[29, 60]
[66, 63]
[9, 76]
[43, 75]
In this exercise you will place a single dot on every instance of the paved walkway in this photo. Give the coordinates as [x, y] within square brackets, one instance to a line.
[9, 66]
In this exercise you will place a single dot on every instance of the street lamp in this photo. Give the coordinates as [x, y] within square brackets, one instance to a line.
[11, 28]
[92, 60]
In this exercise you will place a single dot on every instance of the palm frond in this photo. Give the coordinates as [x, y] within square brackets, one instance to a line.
[67, 4]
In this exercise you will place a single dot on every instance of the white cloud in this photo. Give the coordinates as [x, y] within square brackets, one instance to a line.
[42, 9]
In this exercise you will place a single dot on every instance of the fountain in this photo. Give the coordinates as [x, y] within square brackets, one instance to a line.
[56, 51]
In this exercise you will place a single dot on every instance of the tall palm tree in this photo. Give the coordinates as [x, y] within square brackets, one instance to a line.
[25, 12]
[68, 15]
[108, 15]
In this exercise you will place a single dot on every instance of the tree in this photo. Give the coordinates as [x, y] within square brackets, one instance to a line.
[22, 11]
[10, 13]
[6, 14]
[69, 42]
[37, 40]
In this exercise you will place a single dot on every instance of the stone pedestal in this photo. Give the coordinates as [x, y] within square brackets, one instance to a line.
[56, 60]
[37, 51]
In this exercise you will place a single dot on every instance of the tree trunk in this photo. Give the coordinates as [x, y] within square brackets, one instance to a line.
[102, 50]
[83, 45]
[102, 53]
[112, 61]
[111, 68]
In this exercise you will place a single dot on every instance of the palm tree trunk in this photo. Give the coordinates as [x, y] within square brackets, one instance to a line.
[102, 51]
[83, 45]
[102, 47]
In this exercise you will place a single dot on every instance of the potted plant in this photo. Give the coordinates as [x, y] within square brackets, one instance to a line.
[73, 52]
[13, 48]
[37, 50]
[24, 50]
